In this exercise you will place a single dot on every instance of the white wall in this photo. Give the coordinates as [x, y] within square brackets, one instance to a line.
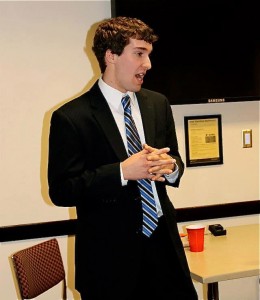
[238, 178]
[43, 64]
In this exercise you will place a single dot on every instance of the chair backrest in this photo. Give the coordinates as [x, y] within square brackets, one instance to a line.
[39, 268]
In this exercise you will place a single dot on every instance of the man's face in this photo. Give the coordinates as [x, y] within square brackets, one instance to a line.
[130, 67]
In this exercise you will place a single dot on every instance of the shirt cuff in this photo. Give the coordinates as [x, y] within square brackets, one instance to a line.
[123, 181]
[173, 176]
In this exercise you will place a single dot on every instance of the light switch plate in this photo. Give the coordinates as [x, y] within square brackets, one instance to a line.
[247, 138]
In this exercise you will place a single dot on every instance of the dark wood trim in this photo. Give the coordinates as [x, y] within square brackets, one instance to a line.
[37, 230]
[218, 211]
[68, 227]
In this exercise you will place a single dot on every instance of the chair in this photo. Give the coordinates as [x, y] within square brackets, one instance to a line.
[39, 268]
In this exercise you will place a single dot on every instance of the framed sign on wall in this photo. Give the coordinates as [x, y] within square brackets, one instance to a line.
[203, 140]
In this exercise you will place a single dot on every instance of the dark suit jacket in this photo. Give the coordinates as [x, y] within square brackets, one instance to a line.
[85, 150]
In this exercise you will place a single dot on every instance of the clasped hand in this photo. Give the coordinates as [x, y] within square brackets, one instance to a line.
[149, 163]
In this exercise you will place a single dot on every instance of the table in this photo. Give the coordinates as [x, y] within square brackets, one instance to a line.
[234, 255]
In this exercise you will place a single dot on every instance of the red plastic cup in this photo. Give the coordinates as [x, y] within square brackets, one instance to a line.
[196, 237]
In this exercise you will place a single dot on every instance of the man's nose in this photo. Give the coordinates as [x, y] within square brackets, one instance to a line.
[147, 64]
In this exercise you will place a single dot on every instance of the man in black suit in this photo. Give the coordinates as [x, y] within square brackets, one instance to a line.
[89, 168]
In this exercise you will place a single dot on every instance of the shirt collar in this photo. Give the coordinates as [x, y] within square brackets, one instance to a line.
[114, 96]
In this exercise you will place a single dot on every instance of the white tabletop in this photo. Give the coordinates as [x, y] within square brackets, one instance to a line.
[232, 256]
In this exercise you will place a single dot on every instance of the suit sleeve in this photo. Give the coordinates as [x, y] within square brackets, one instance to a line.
[172, 142]
[73, 174]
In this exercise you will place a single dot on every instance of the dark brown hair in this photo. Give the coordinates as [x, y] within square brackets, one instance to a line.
[114, 34]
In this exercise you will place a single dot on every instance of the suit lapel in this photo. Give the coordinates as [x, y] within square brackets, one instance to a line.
[104, 117]
[148, 116]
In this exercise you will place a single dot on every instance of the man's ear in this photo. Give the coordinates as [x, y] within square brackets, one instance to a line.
[110, 57]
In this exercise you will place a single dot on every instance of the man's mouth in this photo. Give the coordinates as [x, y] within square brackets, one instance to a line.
[140, 76]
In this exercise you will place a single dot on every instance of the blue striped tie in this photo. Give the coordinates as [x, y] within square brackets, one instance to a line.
[150, 218]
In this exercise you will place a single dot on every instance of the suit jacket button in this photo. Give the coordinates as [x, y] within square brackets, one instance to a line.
[139, 231]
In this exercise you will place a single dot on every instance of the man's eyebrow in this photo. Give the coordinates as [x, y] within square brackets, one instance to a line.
[141, 48]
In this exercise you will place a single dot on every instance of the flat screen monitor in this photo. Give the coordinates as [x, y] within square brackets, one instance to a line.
[208, 51]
